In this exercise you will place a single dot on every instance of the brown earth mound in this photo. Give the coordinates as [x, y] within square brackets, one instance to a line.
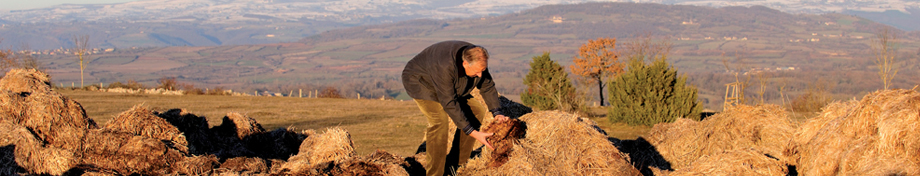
[873, 136]
[756, 132]
[557, 143]
[505, 135]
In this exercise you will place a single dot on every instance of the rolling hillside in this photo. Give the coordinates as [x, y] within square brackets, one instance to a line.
[831, 49]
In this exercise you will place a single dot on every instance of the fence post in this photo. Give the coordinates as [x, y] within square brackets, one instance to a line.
[301, 92]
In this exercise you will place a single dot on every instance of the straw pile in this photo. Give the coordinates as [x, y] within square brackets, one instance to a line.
[26, 80]
[28, 101]
[43, 132]
[749, 135]
[333, 145]
[196, 165]
[246, 164]
[128, 153]
[139, 120]
[874, 136]
[557, 143]
[22, 151]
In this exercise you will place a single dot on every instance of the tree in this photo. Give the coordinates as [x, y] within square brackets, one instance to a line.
[168, 83]
[19, 59]
[596, 60]
[79, 49]
[330, 92]
[548, 86]
[885, 50]
[651, 93]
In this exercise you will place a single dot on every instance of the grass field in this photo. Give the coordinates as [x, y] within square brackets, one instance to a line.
[391, 125]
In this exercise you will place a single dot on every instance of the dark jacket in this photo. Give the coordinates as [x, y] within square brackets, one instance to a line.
[437, 74]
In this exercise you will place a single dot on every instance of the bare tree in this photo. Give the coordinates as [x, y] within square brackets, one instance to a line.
[80, 42]
[885, 50]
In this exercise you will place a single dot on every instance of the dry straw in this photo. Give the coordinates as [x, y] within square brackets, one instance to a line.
[747, 134]
[140, 120]
[26, 99]
[734, 162]
[127, 153]
[28, 153]
[874, 136]
[196, 165]
[557, 143]
[246, 164]
[26, 80]
[333, 145]
[380, 163]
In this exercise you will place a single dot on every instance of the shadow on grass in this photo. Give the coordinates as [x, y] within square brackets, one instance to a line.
[642, 155]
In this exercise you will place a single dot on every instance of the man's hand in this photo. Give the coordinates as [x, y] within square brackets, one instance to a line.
[501, 118]
[481, 137]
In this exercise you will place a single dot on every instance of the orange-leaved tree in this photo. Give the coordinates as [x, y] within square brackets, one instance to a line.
[596, 60]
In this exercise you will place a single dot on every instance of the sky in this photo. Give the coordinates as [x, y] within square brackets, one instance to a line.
[32, 4]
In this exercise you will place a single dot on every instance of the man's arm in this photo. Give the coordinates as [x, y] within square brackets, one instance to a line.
[490, 95]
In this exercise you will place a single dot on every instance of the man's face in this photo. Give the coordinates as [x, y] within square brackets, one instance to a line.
[474, 69]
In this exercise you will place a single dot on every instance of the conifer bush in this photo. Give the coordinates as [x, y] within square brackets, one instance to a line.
[548, 86]
[651, 93]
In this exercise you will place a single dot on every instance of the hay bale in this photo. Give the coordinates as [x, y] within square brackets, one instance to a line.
[127, 153]
[242, 164]
[26, 80]
[505, 135]
[194, 128]
[196, 165]
[139, 120]
[734, 162]
[29, 154]
[766, 129]
[334, 145]
[873, 136]
[557, 143]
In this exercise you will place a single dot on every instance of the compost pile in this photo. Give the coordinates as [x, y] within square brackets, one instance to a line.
[554, 143]
[872, 136]
[44, 132]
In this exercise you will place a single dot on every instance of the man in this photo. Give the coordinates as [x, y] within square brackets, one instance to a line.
[440, 79]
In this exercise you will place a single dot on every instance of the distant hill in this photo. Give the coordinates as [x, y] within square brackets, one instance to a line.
[800, 52]
[909, 20]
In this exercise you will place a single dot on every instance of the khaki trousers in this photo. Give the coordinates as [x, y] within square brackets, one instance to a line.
[436, 135]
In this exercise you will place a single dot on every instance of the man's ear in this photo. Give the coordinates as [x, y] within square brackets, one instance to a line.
[466, 64]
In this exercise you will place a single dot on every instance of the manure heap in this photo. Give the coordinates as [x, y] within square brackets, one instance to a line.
[43, 132]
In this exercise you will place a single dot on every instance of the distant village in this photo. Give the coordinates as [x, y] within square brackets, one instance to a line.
[70, 52]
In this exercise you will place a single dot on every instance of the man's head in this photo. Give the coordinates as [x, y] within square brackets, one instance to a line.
[475, 61]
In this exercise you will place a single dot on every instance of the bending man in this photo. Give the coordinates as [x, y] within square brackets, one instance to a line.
[440, 79]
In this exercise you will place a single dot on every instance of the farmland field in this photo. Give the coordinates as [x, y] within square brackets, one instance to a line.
[391, 125]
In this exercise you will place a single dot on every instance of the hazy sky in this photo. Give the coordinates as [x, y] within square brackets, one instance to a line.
[31, 4]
